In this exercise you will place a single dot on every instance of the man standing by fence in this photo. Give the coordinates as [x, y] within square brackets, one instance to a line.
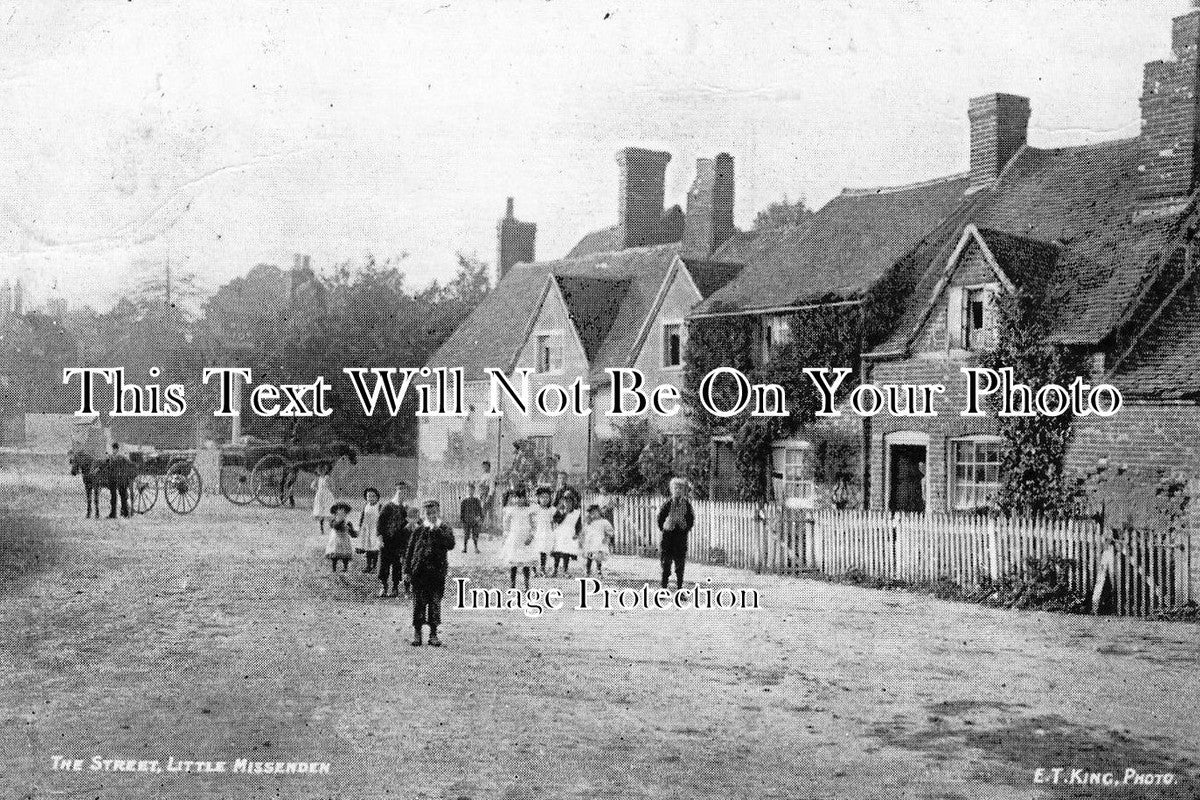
[675, 521]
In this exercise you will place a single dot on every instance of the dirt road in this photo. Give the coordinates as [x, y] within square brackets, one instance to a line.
[222, 636]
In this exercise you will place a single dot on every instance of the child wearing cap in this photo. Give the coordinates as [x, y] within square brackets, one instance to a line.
[598, 539]
[425, 568]
[338, 546]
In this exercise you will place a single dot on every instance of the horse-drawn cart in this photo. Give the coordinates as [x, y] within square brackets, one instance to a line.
[172, 473]
[266, 471]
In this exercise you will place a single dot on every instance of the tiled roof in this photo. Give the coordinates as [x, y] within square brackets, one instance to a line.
[593, 305]
[709, 276]
[605, 240]
[495, 330]
[1083, 198]
[1166, 362]
[851, 242]
[1080, 201]
[1026, 262]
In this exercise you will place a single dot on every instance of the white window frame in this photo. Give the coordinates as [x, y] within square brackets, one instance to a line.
[667, 324]
[538, 337]
[797, 484]
[676, 446]
[776, 332]
[962, 336]
[955, 483]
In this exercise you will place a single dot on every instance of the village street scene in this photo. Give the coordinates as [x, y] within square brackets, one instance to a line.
[912, 506]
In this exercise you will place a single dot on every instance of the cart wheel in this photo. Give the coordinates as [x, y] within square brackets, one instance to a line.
[237, 486]
[143, 493]
[267, 480]
[182, 487]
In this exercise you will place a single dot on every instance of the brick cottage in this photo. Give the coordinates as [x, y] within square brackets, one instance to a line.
[1102, 233]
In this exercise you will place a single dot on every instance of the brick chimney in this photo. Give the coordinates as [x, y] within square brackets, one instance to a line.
[515, 242]
[709, 220]
[1168, 141]
[999, 124]
[18, 298]
[5, 300]
[643, 174]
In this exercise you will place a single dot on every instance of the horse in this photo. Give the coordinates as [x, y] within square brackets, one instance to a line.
[87, 466]
[310, 458]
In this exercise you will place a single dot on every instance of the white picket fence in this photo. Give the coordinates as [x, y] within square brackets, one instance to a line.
[1146, 571]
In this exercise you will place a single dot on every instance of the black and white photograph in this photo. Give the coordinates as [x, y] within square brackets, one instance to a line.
[553, 399]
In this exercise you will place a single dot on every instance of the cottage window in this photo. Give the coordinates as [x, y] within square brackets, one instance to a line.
[677, 447]
[672, 347]
[976, 474]
[794, 471]
[776, 332]
[550, 352]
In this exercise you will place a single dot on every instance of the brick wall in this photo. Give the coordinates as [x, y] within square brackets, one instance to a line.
[1143, 438]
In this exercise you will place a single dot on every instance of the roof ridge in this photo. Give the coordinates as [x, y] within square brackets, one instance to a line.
[873, 190]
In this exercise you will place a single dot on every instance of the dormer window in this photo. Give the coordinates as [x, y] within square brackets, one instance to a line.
[971, 318]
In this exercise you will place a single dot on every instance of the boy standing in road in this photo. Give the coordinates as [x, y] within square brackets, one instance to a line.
[470, 514]
[393, 541]
[425, 568]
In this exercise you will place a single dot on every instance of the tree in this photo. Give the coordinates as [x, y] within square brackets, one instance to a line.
[784, 214]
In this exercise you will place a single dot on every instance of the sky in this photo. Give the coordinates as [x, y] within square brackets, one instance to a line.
[220, 135]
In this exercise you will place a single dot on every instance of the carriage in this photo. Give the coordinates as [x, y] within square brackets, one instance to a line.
[171, 473]
[266, 471]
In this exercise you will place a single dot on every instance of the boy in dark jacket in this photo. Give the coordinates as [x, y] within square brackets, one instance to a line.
[393, 541]
[425, 568]
[675, 520]
[470, 514]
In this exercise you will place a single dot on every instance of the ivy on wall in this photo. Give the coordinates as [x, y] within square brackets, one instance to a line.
[826, 336]
[1032, 477]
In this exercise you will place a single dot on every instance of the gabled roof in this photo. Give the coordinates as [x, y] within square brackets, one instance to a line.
[1014, 260]
[851, 242]
[592, 304]
[1080, 200]
[709, 276]
[1025, 262]
[495, 331]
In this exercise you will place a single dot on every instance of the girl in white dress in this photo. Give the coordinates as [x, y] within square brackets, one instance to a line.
[338, 546]
[543, 527]
[324, 499]
[598, 539]
[518, 551]
[368, 523]
[568, 533]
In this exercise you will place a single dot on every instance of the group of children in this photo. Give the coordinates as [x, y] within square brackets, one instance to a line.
[397, 540]
[532, 536]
